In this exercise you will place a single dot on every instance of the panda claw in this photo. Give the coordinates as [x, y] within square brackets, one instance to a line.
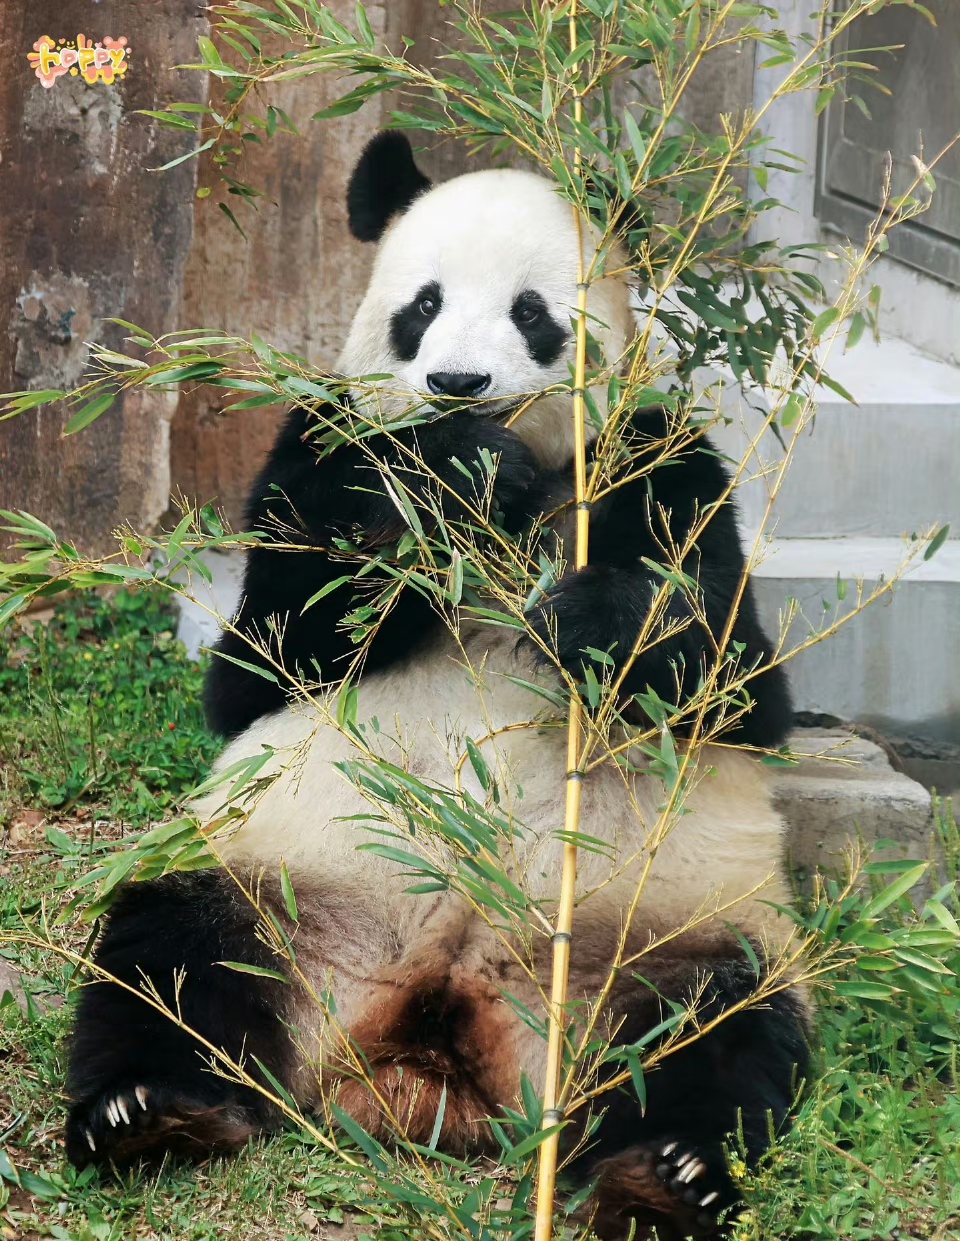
[684, 1159]
[122, 1109]
[90, 1141]
[711, 1197]
[691, 1171]
[141, 1093]
[669, 1149]
[113, 1114]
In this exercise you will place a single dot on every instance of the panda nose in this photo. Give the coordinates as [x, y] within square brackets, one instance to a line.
[457, 383]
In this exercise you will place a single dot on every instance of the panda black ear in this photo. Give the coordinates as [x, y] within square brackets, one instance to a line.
[384, 183]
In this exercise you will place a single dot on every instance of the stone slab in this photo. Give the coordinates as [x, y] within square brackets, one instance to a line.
[845, 789]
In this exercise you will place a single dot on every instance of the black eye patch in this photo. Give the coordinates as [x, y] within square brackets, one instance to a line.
[408, 324]
[543, 335]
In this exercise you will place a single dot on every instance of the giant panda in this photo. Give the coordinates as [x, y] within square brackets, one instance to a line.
[469, 303]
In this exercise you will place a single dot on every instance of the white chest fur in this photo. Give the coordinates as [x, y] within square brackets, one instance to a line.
[725, 844]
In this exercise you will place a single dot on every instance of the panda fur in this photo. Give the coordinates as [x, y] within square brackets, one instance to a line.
[473, 278]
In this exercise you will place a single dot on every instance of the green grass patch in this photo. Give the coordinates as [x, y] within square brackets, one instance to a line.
[100, 710]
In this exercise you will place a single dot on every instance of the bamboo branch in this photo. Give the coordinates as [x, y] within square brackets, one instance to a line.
[562, 936]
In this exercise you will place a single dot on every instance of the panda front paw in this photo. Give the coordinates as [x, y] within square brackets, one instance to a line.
[586, 608]
[459, 449]
[132, 1120]
[515, 495]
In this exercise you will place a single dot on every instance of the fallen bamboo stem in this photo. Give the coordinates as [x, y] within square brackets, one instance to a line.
[563, 931]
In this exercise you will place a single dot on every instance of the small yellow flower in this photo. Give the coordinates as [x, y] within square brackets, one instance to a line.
[87, 655]
[738, 1169]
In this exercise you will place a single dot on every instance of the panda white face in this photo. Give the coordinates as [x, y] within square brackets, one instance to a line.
[471, 298]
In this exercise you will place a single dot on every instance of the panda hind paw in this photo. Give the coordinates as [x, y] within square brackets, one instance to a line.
[136, 1120]
[698, 1179]
[678, 1187]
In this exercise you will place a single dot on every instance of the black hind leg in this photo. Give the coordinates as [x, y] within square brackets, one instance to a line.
[139, 1084]
[665, 1165]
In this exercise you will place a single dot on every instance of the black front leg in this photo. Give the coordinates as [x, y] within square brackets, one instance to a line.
[139, 1084]
[606, 605]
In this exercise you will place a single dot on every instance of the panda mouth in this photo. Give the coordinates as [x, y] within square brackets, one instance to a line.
[505, 410]
[502, 410]
[496, 408]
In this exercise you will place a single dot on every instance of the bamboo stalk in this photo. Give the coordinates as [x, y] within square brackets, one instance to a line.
[563, 932]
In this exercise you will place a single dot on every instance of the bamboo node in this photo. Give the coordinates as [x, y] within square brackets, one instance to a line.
[553, 1115]
[561, 937]
[575, 775]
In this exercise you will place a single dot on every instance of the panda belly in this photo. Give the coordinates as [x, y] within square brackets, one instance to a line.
[420, 981]
[727, 841]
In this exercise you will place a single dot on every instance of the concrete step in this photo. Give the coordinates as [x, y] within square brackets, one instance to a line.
[843, 791]
[887, 466]
[896, 666]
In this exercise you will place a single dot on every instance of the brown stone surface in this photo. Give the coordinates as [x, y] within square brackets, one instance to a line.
[89, 232]
[299, 277]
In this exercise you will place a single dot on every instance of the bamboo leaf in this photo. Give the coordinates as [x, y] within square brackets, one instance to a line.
[89, 413]
[286, 889]
[182, 159]
[635, 137]
[936, 542]
[893, 891]
[370, 1146]
[823, 321]
[255, 668]
[243, 967]
[326, 590]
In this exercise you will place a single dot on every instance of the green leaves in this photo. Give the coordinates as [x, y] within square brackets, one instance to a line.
[20, 402]
[256, 669]
[889, 949]
[637, 142]
[936, 542]
[182, 159]
[894, 890]
[289, 897]
[260, 971]
[89, 413]
[824, 321]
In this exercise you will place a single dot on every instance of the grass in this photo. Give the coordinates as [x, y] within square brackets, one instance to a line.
[100, 710]
[89, 756]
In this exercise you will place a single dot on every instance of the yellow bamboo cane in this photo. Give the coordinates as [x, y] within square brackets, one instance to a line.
[562, 936]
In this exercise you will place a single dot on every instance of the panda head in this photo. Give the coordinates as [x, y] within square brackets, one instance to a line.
[472, 292]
